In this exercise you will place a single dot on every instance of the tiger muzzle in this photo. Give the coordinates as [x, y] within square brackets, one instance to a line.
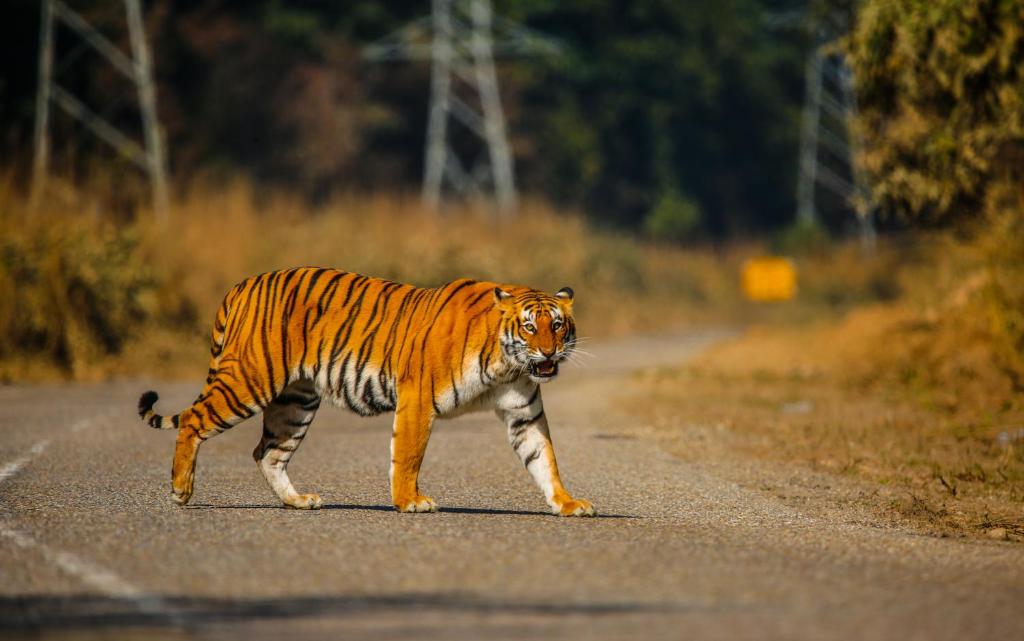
[544, 369]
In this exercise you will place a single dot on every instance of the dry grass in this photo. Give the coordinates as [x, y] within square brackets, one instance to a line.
[916, 398]
[91, 297]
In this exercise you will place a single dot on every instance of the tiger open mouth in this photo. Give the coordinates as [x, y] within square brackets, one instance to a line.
[543, 369]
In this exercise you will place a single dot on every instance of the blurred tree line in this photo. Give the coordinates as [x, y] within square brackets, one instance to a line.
[680, 118]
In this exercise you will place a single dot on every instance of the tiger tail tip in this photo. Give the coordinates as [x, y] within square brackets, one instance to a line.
[146, 413]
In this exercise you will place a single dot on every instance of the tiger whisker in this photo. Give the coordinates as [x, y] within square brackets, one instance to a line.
[583, 352]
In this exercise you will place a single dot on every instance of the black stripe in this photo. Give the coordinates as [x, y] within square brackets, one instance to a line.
[295, 398]
[480, 297]
[536, 391]
[520, 422]
[265, 339]
[433, 398]
[253, 391]
[243, 310]
[532, 456]
[215, 417]
[392, 337]
[323, 303]
[288, 303]
[342, 338]
[235, 403]
[376, 320]
[437, 314]
[312, 284]
[349, 401]
[418, 299]
[358, 280]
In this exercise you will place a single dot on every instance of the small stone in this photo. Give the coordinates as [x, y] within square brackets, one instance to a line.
[998, 533]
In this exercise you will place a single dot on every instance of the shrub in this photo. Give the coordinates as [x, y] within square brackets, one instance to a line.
[72, 289]
[674, 217]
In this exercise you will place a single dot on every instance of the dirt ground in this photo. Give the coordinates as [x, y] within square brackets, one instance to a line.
[825, 414]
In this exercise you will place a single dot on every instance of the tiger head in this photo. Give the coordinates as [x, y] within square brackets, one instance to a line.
[537, 330]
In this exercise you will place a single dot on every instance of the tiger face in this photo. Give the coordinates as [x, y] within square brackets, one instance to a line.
[537, 331]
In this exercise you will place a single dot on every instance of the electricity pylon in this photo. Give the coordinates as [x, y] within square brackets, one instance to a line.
[461, 38]
[838, 100]
[137, 67]
[834, 134]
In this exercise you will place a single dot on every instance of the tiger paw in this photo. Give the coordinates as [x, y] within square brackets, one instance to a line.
[181, 497]
[575, 507]
[418, 504]
[310, 501]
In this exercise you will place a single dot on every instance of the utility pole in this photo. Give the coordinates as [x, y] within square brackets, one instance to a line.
[150, 156]
[830, 92]
[862, 193]
[461, 38]
[809, 123]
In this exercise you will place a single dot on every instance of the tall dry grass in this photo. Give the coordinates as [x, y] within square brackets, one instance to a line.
[87, 292]
[90, 295]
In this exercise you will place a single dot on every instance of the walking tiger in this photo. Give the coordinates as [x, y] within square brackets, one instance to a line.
[285, 340]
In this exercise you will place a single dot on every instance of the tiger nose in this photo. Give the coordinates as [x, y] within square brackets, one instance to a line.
[546, 354]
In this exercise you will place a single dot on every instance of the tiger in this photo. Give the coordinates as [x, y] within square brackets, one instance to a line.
[283, 341]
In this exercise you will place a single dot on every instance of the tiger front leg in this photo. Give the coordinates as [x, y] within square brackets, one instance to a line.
[522, 411]
[408, 445]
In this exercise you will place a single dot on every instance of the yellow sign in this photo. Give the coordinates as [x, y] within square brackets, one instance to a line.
[769, 279]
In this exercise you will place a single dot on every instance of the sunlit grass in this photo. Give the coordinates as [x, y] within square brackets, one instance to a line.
[90, 294]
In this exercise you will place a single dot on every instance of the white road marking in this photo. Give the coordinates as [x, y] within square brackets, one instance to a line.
[99, 578]
[8, 470]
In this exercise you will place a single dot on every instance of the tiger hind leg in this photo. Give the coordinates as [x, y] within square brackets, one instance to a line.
[183, 469]
[217, 409]
[285, 422]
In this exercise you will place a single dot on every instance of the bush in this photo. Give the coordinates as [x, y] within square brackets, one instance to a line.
[802, 237]
[940, 102]
[72, 289]
[674, 217]
[1004, 292]
[88, 299]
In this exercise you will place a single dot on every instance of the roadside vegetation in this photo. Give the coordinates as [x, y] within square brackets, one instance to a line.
[916, 401]
[89, 295]
[921, 397]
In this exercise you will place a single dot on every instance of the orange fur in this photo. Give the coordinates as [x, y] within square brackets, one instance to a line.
[293, 337]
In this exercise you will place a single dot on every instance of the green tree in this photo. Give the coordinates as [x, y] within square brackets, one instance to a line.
[656, 97]
[941, 97]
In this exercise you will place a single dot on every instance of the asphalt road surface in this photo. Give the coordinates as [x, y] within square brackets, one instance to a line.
[91, 546]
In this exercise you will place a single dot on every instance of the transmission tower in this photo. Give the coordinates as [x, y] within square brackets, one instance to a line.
[829, 91]
[137, 67]
[461, 38]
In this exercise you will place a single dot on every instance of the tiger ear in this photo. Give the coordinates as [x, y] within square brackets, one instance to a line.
[501, 297]
[565, 294]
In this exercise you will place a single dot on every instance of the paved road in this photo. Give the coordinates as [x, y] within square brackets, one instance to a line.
[91, 546]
